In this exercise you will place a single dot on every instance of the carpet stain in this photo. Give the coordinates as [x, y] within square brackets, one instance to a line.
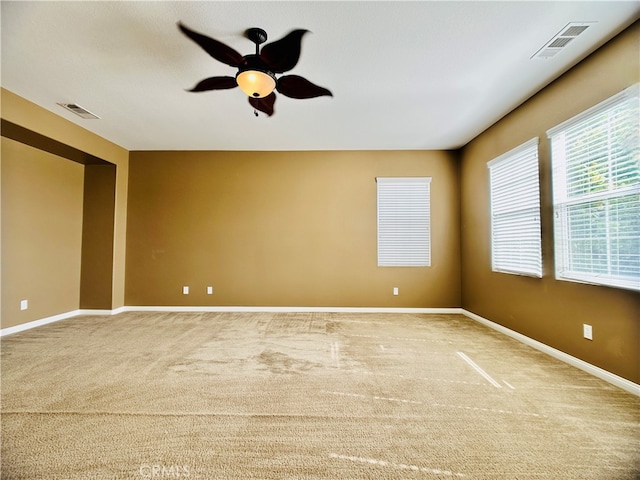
[281, 363]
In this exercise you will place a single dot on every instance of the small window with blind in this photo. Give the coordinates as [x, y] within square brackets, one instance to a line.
[595, 160]
[404, 237]
[515, 211]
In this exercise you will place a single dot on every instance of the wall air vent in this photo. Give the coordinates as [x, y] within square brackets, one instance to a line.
[78, 110]
[563, 38]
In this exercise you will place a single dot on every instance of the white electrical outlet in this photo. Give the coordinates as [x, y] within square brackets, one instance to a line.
[185, 290]
[209, 290]
[587, 331]
[395, 290]
[24, 304]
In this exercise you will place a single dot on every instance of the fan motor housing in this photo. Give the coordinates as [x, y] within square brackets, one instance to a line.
[254, 62]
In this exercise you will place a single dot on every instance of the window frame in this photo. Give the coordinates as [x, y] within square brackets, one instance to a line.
[567, 204]
[402, 242]
[514, 205]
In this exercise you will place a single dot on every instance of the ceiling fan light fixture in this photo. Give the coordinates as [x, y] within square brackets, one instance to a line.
[256, 74]
[256, 83]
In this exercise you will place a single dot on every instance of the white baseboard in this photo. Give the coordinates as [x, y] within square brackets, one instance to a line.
[605, 375]
[38, 323]
[88, 311]
[613, 379]
[54, 318]
[118, 310]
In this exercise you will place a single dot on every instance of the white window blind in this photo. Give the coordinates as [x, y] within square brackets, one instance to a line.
[596, 193]
[404, 238]
[515, 211]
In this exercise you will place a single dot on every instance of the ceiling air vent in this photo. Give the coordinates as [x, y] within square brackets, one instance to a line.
[562, 39]
[78, 110]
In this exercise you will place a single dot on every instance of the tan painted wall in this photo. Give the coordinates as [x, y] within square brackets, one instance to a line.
[545, 309]
[281, 229]
[24, 113]
[97, 237]
[41, 233]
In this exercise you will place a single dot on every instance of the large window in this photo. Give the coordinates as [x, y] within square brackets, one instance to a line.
[596, 193]
[515, 211]
[404, 238]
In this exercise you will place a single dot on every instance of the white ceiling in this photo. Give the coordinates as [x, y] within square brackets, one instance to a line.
[404, 75]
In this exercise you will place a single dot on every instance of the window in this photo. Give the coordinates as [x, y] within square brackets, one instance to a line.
[515, 211]
[404, 222]
[596, 193]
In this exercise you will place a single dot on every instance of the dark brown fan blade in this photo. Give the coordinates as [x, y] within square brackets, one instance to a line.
[216, 49]
[264, 104]
[282, 55]
[295, 86]
[215, 83]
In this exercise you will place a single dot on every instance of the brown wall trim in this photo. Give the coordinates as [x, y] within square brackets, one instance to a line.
[41, 142]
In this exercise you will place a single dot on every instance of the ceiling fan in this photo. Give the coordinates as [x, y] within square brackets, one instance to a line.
[256, 75]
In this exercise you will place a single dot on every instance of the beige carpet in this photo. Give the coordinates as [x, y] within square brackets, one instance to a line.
[303, 396]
